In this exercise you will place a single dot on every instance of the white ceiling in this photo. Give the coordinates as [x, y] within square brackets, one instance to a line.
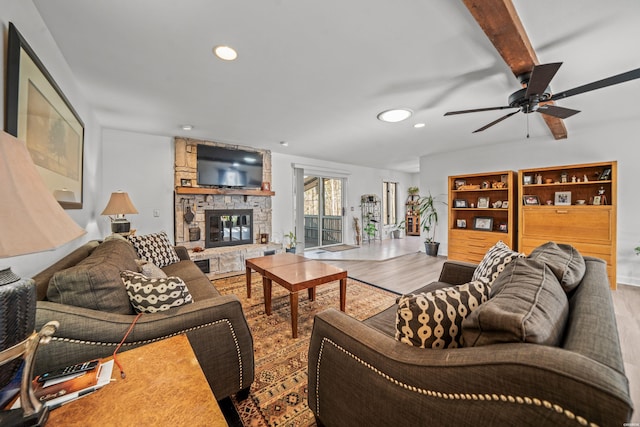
[316, 73]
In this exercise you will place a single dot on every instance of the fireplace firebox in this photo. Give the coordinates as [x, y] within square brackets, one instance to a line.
[228, 227]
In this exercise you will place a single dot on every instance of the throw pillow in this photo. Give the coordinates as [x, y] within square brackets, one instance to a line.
[155, 248]
[527, 304]
[494, 262]
[434, 319]
[151, 295]
[95, 282]
[564, 260]
[149, 269]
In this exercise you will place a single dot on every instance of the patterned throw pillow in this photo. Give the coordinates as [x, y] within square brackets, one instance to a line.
[434, 319]
[155, 248]
[149, 295]
[494, 262]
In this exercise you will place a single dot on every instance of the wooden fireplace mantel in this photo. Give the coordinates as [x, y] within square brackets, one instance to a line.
[224, 191]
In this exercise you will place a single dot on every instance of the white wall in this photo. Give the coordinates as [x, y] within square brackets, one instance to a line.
[27, 20]
[603, 143]
[360, 180]
[141, 165]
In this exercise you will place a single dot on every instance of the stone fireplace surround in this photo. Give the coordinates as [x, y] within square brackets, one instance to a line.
[210, 199]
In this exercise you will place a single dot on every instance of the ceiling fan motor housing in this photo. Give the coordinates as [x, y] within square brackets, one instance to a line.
[528, 105]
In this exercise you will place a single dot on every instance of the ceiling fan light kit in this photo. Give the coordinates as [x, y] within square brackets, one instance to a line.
[536, 96]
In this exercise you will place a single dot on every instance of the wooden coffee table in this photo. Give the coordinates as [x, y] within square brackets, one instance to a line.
[296, 274]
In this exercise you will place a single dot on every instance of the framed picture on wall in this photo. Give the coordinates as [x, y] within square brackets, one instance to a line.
[39, 114]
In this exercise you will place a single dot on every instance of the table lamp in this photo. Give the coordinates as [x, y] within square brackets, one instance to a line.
[119, 205]
[31, 221]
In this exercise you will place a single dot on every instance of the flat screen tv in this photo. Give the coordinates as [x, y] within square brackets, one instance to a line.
[226, 167]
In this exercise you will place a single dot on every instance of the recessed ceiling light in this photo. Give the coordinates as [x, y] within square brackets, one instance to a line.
[225, 52]
[396, 115]
[284, 143]
[186, 127]
[419, 125]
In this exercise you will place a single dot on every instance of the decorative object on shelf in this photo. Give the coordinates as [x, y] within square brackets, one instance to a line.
[483, 223]
[185, 182]
[498, 184]
[505, 204]
[266, 186]
[527, 179]
[503, 227]
[264, 238]
[119, 205]
[562, 198]
[485, 185]
[530, 200]
[605, 175]
[461, 223]
[538, 179]
[459, 183]
[39, 114]
[580, 202]
[497, 204]
[563, 177]
[460, 203]
[548, 181]
[46, 227]
[483, 202]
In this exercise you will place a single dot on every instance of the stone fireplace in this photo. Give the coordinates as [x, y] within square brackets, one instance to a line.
[246, 213]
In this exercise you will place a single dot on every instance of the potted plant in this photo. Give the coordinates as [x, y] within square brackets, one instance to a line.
[370, 229]
[429, 222]
[413, 191]
[291, 246]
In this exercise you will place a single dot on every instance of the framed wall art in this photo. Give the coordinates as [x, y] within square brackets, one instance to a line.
[38, 113]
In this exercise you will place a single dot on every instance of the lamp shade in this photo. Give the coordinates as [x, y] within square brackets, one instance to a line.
[119, 204]
[31, 220]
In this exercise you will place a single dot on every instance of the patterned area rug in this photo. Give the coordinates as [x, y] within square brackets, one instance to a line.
[279, 393]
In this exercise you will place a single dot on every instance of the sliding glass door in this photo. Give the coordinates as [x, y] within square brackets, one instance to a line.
[323, 211]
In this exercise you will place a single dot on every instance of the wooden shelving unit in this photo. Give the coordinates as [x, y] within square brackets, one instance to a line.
[412, 216]
[590, 227]
[475, 227]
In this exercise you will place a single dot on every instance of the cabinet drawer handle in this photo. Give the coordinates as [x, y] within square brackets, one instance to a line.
[561, 212]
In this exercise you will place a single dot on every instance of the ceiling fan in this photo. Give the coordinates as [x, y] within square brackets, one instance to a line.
[536, 93]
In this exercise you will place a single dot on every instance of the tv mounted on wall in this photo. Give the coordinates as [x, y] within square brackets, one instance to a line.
[227, 167]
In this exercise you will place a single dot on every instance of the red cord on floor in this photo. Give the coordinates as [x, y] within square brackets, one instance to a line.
[122, 374]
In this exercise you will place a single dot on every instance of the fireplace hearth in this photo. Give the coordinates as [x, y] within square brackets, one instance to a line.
[228, 227]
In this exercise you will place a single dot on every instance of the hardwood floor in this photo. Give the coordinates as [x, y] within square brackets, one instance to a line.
[397, 266]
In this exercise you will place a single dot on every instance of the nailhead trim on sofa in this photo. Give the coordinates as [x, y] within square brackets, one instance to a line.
[128, 344]
[448, 396]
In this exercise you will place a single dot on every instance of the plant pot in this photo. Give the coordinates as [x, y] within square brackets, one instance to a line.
[431, 248]
[395, 234]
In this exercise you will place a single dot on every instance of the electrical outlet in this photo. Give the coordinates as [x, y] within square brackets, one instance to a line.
[156, 213]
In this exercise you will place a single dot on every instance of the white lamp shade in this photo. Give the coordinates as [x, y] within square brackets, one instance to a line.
[31, 220]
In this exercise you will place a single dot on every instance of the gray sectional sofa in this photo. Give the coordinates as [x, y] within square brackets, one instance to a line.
[360, 374]
[89, 276]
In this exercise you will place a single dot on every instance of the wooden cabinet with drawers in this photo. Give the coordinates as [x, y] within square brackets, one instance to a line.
[482, 211]
[573, 204]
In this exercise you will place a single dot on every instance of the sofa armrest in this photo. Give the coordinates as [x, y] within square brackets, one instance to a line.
[456, 272]
[358, 373]
[216, 328]
[182, 253]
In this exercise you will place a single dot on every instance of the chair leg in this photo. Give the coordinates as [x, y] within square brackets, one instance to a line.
[243, 394]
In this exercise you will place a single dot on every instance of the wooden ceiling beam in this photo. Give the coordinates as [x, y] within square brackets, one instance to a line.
[500, 22]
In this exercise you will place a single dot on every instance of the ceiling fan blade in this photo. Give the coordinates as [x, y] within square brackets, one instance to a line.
[555, 111]
[540, 78]
[477, 110]
[495, 122]
[609, 81]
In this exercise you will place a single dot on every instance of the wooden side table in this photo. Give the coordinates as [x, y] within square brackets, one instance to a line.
[164, 386]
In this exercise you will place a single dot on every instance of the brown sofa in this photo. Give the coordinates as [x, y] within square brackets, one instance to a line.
[215, 324]
[359, 374]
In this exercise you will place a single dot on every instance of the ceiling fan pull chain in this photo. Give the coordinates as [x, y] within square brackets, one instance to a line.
[527, 126]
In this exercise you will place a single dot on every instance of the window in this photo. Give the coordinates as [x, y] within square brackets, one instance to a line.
[389, 205]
